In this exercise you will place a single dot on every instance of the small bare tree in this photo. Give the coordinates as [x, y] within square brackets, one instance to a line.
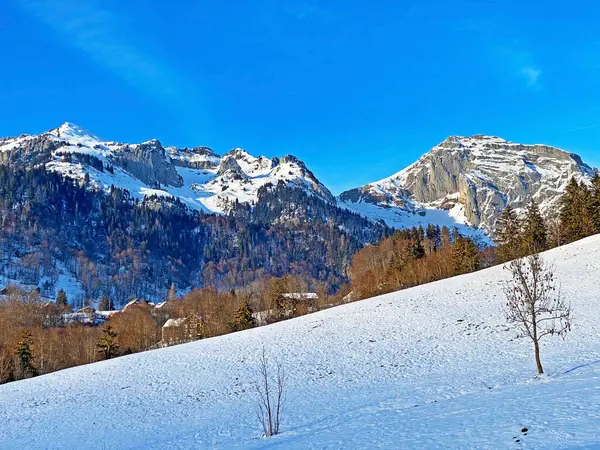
[534, 303]
[270, 396]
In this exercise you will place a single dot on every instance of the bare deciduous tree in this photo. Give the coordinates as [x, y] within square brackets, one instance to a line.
[270, 396]
[534, 303]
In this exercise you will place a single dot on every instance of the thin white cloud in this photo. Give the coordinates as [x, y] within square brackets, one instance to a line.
[585, 127]
[518, 62]
[101, 34]
[532, 75]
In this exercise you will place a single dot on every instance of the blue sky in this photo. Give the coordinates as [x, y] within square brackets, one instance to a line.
[356, 89]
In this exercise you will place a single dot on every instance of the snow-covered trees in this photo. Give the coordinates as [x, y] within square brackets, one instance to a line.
[534, 303]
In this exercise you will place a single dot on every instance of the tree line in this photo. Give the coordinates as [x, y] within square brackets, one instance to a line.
[577, 217]
[39, 337]
[412, 257]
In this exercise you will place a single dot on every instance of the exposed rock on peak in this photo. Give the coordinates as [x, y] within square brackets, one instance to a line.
[150, 163]
[194, 158]
[473, 179]
[230, 168]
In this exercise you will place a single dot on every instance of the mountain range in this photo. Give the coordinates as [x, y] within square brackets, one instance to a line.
[266, 206]
[198, 177]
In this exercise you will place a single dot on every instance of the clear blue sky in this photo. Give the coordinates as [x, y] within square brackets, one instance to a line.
[356, 89]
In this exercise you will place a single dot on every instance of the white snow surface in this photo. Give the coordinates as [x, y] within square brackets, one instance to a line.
[419, 214]
[435, 366]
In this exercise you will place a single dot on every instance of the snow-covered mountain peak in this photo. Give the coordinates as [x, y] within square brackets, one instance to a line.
[229, 167]
[70, 131]
[152, 142]
[477, 140]
[467, 182]
[198, 176]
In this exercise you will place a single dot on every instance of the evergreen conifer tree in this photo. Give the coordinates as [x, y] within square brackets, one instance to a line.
[508, 235]
[105, 303]
[108, 345]
[172, 293]
[595, 201]
[576, 214]
[61, 298]
[535, 234]
[24, 354]
[242, 319]
[465, 255]
[445, 237]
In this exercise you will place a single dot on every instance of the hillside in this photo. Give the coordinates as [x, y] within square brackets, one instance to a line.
[59, 233]
[100, 218]
[467, 182]
[97, 217]
[433, 366]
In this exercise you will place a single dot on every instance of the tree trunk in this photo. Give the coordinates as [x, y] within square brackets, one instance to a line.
[537, 356]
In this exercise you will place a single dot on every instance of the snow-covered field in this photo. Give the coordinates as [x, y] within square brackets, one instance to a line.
[430, 367]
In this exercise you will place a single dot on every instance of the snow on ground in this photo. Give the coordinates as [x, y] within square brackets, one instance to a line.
[430, 367]
[427, 214]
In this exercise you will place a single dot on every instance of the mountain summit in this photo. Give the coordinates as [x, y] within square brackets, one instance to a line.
[468, 181]
[199, 177]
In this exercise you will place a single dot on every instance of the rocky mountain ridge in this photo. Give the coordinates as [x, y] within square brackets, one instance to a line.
[463, 182]
[468, 181]
[198, 176]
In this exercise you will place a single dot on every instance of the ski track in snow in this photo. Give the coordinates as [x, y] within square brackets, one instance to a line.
[435, 366]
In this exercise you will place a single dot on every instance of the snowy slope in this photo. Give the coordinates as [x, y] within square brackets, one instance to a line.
[467, 181]
[196, 176]
[429, 367]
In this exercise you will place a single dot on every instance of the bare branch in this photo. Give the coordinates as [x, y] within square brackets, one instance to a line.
[270, 398]
[534, 303]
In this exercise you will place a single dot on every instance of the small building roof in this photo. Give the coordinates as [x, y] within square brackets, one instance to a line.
[174, 322]
[137, 301]
[302, 295]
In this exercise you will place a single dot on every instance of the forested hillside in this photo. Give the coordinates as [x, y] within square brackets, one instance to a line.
[124, 247]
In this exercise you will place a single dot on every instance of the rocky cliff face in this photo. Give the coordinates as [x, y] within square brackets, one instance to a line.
[149, 163]
[28, 149]
[475, 177]
[194, 158]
